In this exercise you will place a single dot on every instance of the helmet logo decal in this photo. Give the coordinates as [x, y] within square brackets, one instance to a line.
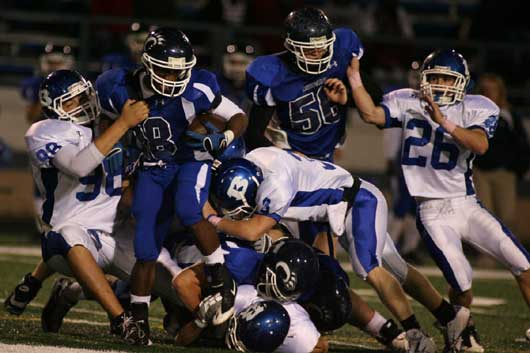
[252, 311]
[176, 61]
[44, 97]
[290, 278]
[238, 188]
[317, 39]
[154, 39]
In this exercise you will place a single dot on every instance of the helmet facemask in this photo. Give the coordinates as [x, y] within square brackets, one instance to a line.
[268, 287]
[160, 85]
[309, 65]
[444, 94]
[232, 338]
[88, 108]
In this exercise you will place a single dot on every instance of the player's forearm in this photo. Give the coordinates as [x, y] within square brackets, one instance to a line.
[111, 136]
[240, 229]
[473, 140]
[369, 112]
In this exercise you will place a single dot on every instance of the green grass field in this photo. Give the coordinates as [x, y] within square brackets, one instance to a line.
[501, 326]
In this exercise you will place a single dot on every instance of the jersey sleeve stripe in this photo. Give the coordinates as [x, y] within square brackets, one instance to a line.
[206, 90]
[189, 109]
[472, 127]
[389, 120]
[269, 99]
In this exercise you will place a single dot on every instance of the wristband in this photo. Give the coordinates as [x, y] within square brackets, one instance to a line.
[213, 219]
[355, 80]
[200, 323]
[229, 136]
[448, 125]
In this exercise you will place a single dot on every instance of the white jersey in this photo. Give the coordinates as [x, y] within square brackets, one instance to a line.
[302, 336]
[434, 165]
[300, 188]
[90, 201]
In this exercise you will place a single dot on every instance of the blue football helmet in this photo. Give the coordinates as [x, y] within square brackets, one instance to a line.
[62, 86]
[234, 188]
[309, 29]
[329, 306]
[450, 63]
[261, 327]
[168, 51]
[289, 270]
[236, 149]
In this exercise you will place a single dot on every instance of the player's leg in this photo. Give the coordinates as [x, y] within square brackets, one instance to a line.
[148, 199]
[74, 251]
[193, 184]
[27, 289]
[489, 235]
[364, 240]
[453, 319]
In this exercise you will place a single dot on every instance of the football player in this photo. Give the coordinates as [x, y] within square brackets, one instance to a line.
[293, 83]
[80, 177]
[443, 129]
[271, 184]
[174, 176]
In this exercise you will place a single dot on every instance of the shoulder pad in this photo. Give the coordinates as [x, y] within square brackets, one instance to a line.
[403, 93]
[479, 102]
[265, 69]
[50, 130]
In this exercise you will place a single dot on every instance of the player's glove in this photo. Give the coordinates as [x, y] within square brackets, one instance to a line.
[208, 307]
[214, 142]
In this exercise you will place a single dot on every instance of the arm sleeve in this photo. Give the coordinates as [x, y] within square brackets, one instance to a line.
[274, 197]
[258, 120]
[392, 108]
[78, 163]
[484, 117]
[227, 109]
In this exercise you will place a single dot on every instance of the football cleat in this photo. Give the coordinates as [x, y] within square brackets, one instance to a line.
[221, 281]
[57, 306]
[393, 337]
[471, 340]
[22, 295]
[419, 342]
[130, 330]
[454, 330]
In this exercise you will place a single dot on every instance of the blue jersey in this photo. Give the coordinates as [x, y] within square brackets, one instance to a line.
[29, 88]
[161, 133]
[313, 124]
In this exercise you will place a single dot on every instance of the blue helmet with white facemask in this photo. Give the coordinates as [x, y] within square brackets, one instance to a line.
[234, 188]
[260, 327]
[450, 63]
[62, 86]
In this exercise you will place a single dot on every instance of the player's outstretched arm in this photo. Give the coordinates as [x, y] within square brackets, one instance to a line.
[370, 113]
[474, 140]
[81, 163]
[249, 229]
[132, 113]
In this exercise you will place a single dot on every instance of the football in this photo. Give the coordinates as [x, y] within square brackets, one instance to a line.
[197, 125]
